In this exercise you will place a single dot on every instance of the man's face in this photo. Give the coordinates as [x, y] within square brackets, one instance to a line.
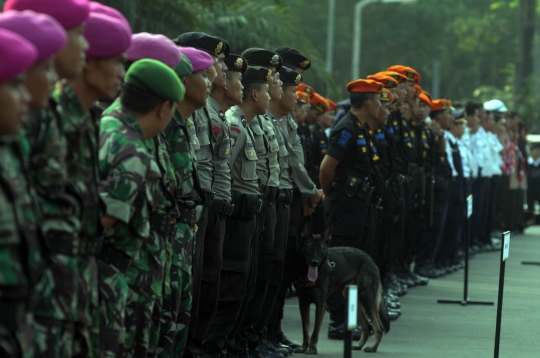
[327, 119]
[422, 111]
[198, 87]
[300, 113]
[14, 99]
[212, 73]
[401, 93]
[221, 72]
[383, 114]
[374, 106]
[488, 120]
[409, 89]
[263, 99]
[444, 119]
[482, 114]
[105, 75]
[71, 59]
[288, 98]
[311, 115]
[234, 87]
[414, 105]
[474, 120]
[276, 91]
[39, 81]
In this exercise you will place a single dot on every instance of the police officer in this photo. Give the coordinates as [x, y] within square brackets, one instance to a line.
[347, 178]
[241, 228]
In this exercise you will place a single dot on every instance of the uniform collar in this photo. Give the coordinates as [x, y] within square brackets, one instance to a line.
[210, 102]
[68, 101]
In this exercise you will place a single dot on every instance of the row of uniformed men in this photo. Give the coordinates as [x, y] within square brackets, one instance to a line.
[107, 236]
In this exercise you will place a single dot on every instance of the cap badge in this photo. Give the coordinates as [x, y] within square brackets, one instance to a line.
[269, 75]
[219, 47]
[274, 60]
[239, 63]
[298, 79]
[304, 63]
[410, 75]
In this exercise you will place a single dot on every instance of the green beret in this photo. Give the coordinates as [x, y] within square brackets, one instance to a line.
[156, 77]
[184, 67]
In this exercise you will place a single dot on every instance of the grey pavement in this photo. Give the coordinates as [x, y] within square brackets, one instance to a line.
[427, 329]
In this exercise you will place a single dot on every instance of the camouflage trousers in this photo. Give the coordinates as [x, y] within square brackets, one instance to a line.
[113, 292]
[16, 331]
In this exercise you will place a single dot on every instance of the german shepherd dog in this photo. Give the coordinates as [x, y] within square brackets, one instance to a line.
[322, 271]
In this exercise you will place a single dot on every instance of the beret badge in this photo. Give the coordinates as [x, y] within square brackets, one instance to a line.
[274, 60]
[239, 63]
[269, 75]
[298, 79]
[219, 47]
[304, 63]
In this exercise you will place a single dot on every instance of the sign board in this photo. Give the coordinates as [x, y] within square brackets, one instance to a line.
[352, 300]
[469, 206]
[506, 246]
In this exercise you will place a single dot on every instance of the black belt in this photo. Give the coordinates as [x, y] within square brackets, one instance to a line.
[71, 244]
[112, 256]
[285, 195]
[222, 207]
[272, 192]
[89, 246]
[209, 197]
[189, 216]
[163, 224]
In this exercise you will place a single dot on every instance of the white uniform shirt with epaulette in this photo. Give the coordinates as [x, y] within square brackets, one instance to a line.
[285, 175]
[296, 157]
[203, 148]
[243, 159]
[222, 152]
[261, 148]
[273, 149]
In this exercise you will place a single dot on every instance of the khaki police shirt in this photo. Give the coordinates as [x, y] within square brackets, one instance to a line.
[261, 147]
[200, 135]
[222, 151]
[273, 149]
[243, 159]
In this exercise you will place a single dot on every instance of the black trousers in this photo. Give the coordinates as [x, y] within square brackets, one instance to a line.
[208, 250]
[274, 323]
[240, 239]
[412, 219]
[495, 193]
[480, 210]
[455, 218]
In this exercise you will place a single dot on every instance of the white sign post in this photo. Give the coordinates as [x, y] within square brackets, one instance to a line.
[505, 252]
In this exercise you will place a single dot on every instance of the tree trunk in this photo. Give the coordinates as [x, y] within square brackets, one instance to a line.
[524, 63]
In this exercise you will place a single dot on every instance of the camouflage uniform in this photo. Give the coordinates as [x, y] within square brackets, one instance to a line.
[55, 306]
[189, 198]
[130, 189]
[20, 253]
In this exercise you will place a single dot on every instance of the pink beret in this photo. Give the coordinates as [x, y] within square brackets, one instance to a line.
[199, 59]
[17, 55]
[156, 47]
[110, 11]
[106, 36]
[41, 30]
[69, 13]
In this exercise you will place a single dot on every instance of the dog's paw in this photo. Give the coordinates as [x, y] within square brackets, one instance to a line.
[356, 348]
[300, 350]
[311, 350]
[370, 350]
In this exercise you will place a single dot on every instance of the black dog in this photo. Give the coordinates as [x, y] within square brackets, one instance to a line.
[322, 271]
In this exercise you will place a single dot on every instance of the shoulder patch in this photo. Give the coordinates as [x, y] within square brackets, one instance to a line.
[235, 129]
[345, 136]
[217, 130]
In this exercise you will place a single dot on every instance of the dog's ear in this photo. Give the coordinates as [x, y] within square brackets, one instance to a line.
[327, 234]
[307, 231]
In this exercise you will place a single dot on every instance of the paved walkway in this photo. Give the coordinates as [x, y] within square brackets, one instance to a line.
[427, 329]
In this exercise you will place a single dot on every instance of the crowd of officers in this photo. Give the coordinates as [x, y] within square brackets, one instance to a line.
[164, 221]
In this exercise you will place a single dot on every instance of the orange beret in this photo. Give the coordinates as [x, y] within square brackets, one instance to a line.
[331, 104]
[364, 86]
[417, 90]
[302, 97]
[302, 87]
[385, 80]
[386, 96]
[395, 75]
[440, 104]
[320, 103]
[410, 73]
[425, 97]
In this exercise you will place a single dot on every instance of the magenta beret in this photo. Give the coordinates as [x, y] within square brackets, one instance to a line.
[106, 36]
[199, 59]
[17, 55]
[110, 11]
[69, 13]
[41, 30]
[157, 47]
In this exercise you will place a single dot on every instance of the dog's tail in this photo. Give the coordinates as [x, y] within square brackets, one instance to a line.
[383, 314]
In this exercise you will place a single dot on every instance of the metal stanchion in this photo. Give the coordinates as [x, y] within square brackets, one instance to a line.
[505, 251]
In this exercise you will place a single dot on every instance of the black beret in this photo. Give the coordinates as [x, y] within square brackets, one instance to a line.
[293, 57]
[256, 75]
[236, 63]
[262, 57]
[289, 77]
[211, 44]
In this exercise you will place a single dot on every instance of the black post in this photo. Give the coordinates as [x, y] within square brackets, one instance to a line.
[347, 349]
[505, 244]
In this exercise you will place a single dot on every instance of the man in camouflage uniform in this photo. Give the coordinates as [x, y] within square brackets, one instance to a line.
[190, 200]
[19, 218]
[132, 190]
[55, 308]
